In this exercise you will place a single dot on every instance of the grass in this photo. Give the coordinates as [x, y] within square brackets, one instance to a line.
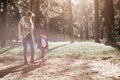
[78, 50]
[84, 50]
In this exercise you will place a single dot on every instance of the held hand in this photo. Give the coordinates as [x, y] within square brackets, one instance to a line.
[36, 42]
[20, 40]
[46, 50]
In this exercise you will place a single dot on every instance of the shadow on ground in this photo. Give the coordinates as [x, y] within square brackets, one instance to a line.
[18, 68]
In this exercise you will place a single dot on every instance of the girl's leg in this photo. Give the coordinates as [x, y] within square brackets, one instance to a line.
[43, 56]
[43, 53]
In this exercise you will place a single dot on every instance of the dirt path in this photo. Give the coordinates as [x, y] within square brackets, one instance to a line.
[64, 68]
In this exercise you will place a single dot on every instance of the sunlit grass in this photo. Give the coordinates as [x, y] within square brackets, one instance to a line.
[84, 50]
[81, 47]
[78, 50]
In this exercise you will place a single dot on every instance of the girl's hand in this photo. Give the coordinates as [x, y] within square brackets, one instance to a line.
[35, 42]
[46, 50]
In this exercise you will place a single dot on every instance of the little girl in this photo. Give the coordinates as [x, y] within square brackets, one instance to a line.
[42, 44]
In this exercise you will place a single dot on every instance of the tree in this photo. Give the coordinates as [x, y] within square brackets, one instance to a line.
[31, 5]
[71, 22]
[109, 20]
[0, 18]
[3, 36]
[96, 21]
[37, 16]
[117, 19]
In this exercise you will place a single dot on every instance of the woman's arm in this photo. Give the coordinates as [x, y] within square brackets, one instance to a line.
[20, 31]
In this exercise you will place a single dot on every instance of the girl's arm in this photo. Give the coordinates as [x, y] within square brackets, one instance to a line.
[36, 40]
[47, 43]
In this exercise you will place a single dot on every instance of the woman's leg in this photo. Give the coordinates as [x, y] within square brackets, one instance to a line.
[32, 50]
[25, 50]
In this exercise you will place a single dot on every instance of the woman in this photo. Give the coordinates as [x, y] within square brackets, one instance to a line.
[25, 33]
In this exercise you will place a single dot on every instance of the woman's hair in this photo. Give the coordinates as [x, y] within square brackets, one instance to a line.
[29, 13]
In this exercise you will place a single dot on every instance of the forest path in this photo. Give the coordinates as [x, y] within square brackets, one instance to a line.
[67, 67]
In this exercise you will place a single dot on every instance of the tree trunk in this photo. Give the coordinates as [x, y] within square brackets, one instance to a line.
[63, 31]
[93, 37]
[86, 31]
[96, 22]
[37, 16]
[81, 31]
[3, 37]
[71, 22]
[109, 19]
[102, 32]
[63, 25]
[0, 19]
[31, 5]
